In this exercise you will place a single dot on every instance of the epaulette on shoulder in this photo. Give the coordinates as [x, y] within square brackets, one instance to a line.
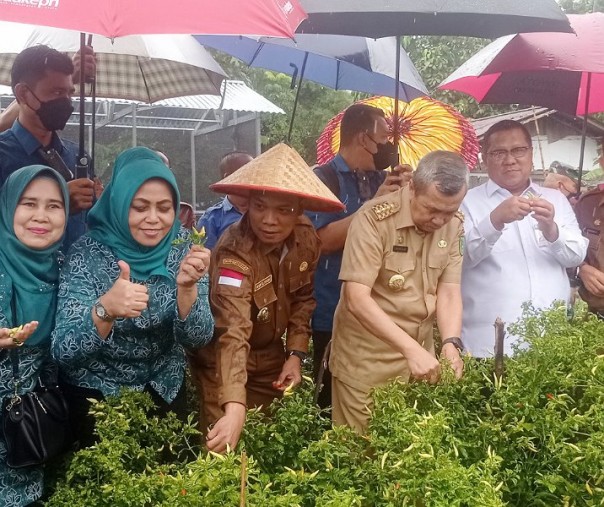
[460, 215]
[383, 210]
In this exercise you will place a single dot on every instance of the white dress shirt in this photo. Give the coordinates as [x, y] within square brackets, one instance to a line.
[503, 269]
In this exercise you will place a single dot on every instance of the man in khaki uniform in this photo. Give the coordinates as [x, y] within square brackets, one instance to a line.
[401, 267]
[261, 287]
[590, 215]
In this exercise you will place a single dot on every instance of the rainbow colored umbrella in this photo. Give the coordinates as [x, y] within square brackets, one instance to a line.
[425, 125]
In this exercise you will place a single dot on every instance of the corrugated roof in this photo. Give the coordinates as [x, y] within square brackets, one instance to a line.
[239, 97]
[481, 125]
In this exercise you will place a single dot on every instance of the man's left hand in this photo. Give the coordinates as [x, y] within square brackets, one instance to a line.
[544, 212]
[450, 352]
[89, 65]
[290, 374]
[81, 192]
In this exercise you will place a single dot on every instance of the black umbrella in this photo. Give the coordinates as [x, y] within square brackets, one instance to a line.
[472, 18]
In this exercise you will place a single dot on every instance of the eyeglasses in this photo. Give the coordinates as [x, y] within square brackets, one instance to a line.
[500, 155]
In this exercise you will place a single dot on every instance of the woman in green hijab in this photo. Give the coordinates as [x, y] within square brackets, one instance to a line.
[33, 214]
[131, 298]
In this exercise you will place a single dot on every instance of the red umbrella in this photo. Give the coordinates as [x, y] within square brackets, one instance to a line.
[544, 69]
[556, 70]
[115, 18]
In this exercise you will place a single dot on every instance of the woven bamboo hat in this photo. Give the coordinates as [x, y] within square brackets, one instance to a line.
[280, 169]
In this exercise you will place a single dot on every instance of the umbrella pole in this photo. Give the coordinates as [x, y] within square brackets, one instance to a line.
[584, 132]
[81, 153]
[539, 138]
[291, 121]
[397, 72]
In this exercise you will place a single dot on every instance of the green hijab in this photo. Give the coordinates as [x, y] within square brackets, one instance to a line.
[34, 273]
[108, 218]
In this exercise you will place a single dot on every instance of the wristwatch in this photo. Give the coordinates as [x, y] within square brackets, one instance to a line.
[298, 353]
[456, 341]
[102, 313]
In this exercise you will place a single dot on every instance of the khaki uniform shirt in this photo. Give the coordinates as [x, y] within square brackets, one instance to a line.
[403, 266]
[257, 294]
[590, 215]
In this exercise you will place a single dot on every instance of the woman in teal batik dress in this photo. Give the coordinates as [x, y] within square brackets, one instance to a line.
[130, 299]
[33, 209]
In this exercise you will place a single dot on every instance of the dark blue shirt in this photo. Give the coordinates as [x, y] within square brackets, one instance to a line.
[19, 148]
[216, 219]
[327, 284]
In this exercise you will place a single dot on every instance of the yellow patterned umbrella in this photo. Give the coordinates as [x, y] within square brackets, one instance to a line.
[425, 125]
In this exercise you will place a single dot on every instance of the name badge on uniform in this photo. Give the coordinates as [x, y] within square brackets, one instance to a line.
[263, 315]
[400, 248]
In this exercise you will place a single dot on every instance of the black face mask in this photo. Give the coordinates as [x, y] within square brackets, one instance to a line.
[54, 113]
[385, 156]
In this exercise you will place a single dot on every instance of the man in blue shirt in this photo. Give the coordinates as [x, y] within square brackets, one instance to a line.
[43, 85]
[355, 175]
[219, 217]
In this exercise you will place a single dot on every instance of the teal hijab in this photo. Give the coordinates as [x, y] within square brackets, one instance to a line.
[34, 273]
[108, 218]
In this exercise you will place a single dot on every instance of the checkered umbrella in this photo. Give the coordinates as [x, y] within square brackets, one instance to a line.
[146, 68]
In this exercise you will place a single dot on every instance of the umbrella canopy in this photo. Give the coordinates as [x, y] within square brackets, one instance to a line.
[113, 18]
[553, 71]
[382, 18]
[146, 68]
[425, 125]
[337, 61]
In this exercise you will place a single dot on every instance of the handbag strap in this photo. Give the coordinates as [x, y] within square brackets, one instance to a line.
[14, 353]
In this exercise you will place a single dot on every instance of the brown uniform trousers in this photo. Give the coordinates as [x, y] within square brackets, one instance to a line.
[257, 294]
[403, 266]
[590, 215]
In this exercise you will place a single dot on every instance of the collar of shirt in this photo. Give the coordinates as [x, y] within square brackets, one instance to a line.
[493, 188]
[226, 204]
[340, 164]
[29, 143]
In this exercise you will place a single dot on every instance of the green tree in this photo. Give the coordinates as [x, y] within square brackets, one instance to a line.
[438, 56]
[316, 106]
[581, 6]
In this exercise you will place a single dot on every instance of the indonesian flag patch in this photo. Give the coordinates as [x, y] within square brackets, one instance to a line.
[230, 277]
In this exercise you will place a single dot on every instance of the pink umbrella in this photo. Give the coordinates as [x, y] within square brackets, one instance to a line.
[114, 18]
[549, 69]
[561, 71]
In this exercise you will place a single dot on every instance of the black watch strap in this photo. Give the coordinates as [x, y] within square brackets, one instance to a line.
[298, 353]
[456, 341]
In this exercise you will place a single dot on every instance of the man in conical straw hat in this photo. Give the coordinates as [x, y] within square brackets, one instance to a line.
[261, 288]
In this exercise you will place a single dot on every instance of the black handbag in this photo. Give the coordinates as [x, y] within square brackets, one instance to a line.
[35, 424]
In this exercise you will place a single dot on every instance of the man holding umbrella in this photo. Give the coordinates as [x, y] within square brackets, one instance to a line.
[355, 175]
[43, 85]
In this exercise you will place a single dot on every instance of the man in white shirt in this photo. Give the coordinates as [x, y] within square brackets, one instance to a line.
[520, 237]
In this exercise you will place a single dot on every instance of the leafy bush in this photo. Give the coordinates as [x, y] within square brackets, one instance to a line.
[533, 438]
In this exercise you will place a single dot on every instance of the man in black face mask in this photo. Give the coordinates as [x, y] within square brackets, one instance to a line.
[355, 175]
[42, 83]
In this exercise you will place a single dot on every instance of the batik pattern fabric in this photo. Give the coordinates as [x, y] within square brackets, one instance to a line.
[20, 486]
[146, 350]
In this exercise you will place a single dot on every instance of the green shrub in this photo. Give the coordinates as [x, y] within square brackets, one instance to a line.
[533, 438]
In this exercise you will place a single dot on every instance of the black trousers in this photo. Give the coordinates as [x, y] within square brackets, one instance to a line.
[320, 339]
[82, 423]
